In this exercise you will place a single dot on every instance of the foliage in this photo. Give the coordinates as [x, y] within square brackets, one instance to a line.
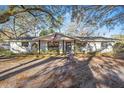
[119, 50]
[46, 32]
[28, 20]
[107, 54]
[84, 19]
[121, 37]
[6, 53]
[119, 47]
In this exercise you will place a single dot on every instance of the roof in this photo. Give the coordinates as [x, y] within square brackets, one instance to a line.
[23, 39]
[56, 37]
[60, 36]
[97, 39]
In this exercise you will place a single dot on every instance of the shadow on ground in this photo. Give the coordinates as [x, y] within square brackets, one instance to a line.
[58, 72]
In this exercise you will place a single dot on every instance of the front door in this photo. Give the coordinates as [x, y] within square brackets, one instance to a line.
[68, 47]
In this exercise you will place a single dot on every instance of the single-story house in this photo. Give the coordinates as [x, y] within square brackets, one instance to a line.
[62, 44]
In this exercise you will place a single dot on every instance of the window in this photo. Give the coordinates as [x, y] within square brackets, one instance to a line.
[53, 46]
[25, 44]
[90, 48]
[104, 45]
[68, 46]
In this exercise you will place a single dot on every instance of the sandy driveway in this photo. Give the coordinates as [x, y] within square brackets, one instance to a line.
[57, 72]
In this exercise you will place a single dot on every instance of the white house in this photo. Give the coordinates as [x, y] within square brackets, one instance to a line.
[21, 45]
[62, 44]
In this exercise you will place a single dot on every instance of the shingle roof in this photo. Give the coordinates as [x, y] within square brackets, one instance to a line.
[60, 36]
[56, 36]
[97, 38]
[24, 38]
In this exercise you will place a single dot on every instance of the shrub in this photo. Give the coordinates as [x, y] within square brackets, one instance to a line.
[108, 54]
[6, 53]
[119, 50]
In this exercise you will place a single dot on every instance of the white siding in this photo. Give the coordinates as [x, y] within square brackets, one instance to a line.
[72, 46]
[96, 46]
[61, 47]
[16, 47]
[43, 46]
[109, 48]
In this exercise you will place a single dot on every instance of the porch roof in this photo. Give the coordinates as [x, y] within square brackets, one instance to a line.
[56, 37]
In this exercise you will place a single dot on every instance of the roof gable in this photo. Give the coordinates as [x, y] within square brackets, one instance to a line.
[55, 36]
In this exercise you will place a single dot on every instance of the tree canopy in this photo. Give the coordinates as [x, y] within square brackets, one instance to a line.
[22, 19]
[46, 32]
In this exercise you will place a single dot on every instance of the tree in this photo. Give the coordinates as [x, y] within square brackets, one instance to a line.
[95, 17]
[46, 32]
[86, 19]
[118, 48]
[43, 32]
[14, 10]
[118, 36]
[28, 20]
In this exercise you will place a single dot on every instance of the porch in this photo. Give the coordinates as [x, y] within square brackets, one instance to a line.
[57, 42]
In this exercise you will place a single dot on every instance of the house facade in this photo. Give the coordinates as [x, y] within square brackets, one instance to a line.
[62, 44]
[21, 45]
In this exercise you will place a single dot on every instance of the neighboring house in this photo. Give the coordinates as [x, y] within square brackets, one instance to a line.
[62, 44]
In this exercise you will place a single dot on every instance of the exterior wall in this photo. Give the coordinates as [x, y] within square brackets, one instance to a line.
[43, 46]
[96, 46]
[16, 47]
[4, 45]
[91, 47]
[61, 47]
[72, 46]
[109, 48]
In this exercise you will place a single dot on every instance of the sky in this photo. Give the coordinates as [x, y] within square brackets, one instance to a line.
[103, 31]
[3, 7]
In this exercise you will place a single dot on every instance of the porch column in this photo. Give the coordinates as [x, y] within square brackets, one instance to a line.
[61, 47]
[30, 47]
[46, 46]
[39, 46]
[72, 46]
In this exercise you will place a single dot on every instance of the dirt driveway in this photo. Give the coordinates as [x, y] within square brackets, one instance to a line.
[57, 72]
